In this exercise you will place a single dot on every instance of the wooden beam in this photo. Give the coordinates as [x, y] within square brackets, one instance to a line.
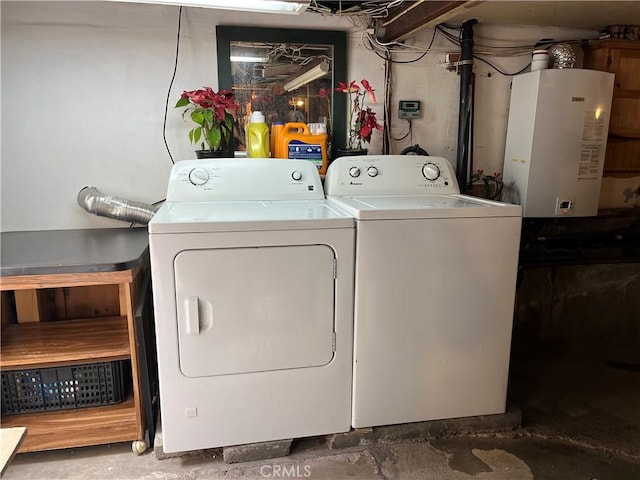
[420, 15]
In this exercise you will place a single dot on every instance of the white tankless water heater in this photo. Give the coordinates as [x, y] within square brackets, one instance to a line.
[556, 141]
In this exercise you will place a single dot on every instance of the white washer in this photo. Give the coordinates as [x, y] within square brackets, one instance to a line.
[253, 288]
[434, 295]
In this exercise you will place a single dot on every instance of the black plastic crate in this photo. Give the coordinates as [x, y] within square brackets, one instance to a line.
[77, 386]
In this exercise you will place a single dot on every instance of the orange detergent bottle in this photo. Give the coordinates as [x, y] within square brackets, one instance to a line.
[276, 133]
[296, 141]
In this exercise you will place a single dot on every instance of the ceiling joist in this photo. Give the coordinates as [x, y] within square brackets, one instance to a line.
[407, 20]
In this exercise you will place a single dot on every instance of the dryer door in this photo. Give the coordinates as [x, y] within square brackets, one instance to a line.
[254, 309]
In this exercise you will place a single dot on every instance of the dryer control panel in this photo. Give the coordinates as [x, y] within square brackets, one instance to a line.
[244, 179]
[391, 175]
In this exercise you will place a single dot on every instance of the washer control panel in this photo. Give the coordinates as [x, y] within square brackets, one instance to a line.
[431, 171]
[244, 179]
[199, 176]
[390, 175]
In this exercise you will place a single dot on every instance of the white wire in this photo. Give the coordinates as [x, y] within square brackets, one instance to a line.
[370, 42]
[370, 9]
[361, 16]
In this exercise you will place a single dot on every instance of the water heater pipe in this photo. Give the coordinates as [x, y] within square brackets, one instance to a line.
[103, 205]
[465, 114]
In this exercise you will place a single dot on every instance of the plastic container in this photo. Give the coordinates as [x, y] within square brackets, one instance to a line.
[61, 388]
[257, 136]
[317, 128]
[276, 134]
[297, 142]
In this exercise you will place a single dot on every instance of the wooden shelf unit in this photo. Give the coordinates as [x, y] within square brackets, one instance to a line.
[65, 342]
[75, 428]
[30, 341]
[622, 58]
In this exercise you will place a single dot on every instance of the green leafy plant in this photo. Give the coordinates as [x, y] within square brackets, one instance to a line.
[212, 113]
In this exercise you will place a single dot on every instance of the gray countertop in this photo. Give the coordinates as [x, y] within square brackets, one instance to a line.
[46, 252]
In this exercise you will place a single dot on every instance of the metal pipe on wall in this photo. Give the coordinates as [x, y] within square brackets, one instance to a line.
[465, 113]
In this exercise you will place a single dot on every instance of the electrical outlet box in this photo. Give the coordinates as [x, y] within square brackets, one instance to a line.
[564, 206]
[409, 109]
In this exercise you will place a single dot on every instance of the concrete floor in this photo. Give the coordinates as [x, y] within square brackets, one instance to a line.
[581, 421]
[478, 458]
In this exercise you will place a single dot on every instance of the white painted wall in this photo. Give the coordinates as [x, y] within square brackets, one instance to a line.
[439, 91]
[84, 87]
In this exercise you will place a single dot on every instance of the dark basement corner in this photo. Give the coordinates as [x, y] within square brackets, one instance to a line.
[575, 359]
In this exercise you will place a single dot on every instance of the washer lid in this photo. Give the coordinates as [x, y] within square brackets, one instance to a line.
[424, 206]
[196, 217]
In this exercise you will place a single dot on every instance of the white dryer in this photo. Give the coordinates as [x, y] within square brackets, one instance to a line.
[253, 288]
[434, 290]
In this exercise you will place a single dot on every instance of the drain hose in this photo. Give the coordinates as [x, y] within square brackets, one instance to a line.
[103, 205]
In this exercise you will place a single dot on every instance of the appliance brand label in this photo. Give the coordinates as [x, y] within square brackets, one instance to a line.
[577, 99]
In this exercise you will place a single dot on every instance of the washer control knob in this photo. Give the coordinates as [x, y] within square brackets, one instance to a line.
[198, 176]
[372, 171]
[296, 175]
[431, 171]
[354, 172]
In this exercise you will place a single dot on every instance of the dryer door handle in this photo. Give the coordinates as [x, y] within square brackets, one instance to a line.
[192, 316]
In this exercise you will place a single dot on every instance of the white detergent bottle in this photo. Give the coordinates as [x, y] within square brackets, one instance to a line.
[257, 136]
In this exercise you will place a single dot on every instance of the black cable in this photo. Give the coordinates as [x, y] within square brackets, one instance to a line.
[173, 77]
[433, 37]
[414, 150]
[506, 74]
[487, 180]
[454, 40]
[449, 36]
[497, 47]
[386, 138]
[406, 134]
[487, 189]
[422, 55]
[410, 61]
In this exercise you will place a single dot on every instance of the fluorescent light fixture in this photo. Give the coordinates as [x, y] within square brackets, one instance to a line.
[263, 6]
[248, 58]
[310, 75]
[248, 54]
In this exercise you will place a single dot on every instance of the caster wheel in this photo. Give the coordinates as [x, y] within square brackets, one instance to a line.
[139, 447]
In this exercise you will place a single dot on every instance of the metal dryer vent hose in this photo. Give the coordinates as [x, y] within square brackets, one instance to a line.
[103, 205]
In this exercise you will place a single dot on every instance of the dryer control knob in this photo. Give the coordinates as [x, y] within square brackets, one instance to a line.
[354, 172]
[430, 171]
[296, 175]
[372, 171]
[198, 176]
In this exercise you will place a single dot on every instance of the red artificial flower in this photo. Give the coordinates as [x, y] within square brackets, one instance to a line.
[362, 121]
[323, 93]
[351, 88]
[369, 89]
